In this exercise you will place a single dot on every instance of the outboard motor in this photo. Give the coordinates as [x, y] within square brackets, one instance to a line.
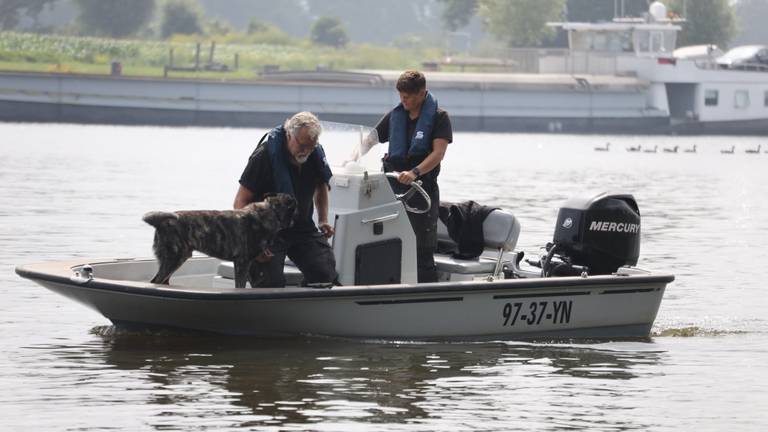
[595, 235]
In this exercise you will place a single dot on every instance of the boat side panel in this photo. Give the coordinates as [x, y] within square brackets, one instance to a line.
[618, 311]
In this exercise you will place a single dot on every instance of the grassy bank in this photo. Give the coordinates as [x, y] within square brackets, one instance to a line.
[71, 54]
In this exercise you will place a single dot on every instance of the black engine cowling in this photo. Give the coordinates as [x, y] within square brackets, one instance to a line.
[601, 233]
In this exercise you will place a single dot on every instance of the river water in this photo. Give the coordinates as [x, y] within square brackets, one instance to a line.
[79, 191]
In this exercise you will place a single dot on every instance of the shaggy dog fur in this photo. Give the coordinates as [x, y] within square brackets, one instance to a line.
[233, 235]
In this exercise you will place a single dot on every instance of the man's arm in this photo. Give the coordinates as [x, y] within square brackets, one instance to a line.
[382, 128]
[439, 146]
[243, 197]
[321, 204]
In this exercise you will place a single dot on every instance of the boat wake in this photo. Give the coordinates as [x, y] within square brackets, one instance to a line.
[694, 331]
[114, 332]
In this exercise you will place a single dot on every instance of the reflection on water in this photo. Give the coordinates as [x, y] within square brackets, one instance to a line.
[262, 382]
[80, 191]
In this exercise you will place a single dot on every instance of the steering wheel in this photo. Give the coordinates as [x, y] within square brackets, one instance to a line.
[415, 187]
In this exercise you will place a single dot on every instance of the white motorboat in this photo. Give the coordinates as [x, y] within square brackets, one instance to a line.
[586, 286]
[199, 298]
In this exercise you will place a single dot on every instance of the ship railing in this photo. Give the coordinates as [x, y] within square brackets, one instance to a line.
[753, 67]
[711, 64]
[556, 60]
[520, 60]
[547, 60]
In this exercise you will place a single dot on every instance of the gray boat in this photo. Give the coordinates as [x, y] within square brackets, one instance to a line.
[585, 284]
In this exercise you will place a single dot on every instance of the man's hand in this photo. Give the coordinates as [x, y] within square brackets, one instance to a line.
[406, 177]
[265, 256]
[326, 229]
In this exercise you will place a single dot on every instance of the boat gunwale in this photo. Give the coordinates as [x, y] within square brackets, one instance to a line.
[63, 274]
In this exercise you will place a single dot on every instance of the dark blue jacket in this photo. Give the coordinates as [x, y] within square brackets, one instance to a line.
[403, 148]
[278, 155]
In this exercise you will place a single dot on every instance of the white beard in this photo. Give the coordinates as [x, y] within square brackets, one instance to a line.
[301, 159]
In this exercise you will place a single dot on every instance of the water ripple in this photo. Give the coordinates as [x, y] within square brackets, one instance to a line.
[703, 220]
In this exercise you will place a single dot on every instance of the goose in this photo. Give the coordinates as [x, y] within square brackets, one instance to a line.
[606, 148]
[727, 151]
[671, 150]
[753, 151]
[691, 150]
[634, 149]
[651, 151]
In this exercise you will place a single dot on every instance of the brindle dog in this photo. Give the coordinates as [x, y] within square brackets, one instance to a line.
[234, 235]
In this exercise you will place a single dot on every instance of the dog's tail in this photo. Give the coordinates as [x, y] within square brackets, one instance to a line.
[158, 219]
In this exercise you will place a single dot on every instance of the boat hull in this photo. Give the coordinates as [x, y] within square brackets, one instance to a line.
[13, 111]
[579, 307]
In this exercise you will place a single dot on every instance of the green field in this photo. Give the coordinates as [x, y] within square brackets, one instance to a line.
[70, 54]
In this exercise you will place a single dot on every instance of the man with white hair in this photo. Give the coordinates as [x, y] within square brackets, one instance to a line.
[289, 160]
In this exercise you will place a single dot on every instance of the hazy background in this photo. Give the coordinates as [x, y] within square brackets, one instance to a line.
[451, 24]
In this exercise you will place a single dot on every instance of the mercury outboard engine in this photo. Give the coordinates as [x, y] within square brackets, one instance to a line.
[595, 235]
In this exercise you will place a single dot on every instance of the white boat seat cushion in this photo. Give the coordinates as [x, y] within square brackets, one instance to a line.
[448, 264]
[501, 230]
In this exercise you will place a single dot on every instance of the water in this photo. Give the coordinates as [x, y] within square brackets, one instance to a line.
[80, 191]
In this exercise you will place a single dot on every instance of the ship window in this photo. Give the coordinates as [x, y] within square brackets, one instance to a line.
[670, 40]
[765, 98]
[657, 42]
[610, 41]
[710, 97]
[643, 39]
[741, 99]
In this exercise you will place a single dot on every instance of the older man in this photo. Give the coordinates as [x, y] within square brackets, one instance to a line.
[289, 160]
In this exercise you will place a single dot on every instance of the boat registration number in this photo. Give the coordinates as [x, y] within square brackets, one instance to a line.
[535, 313]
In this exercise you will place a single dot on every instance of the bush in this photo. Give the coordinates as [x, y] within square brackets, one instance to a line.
[260, 32]
[329, 31]
[144, 55]
[219, 27]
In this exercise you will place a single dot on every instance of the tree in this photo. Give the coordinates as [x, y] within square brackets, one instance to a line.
[456, 14]
[181, 17]
[329, 31]
[11, 10]
[258, 26]
[218, 26]
[115, 18]
[520, 23]
[707, 22]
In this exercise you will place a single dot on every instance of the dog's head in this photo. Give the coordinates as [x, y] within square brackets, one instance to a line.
[284, 208]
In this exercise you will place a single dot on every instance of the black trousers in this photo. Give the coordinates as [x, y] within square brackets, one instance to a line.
[309, 251]
[424, 227]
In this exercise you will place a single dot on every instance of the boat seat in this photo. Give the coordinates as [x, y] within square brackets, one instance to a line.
[448, 264]
[293, 275]
[501, 230]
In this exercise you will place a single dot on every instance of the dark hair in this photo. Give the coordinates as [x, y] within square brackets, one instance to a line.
[411, 81]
